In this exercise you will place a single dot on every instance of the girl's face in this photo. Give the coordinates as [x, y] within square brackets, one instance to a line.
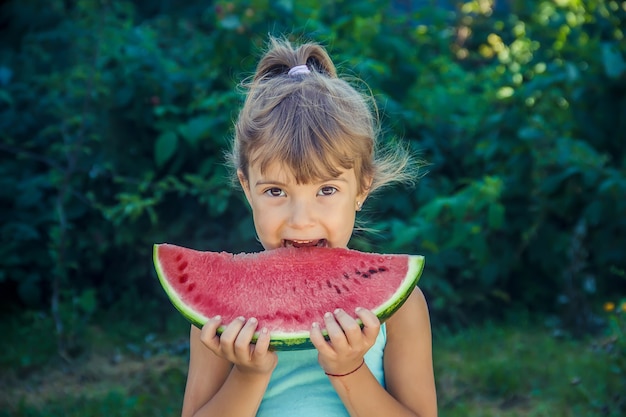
[320, 213]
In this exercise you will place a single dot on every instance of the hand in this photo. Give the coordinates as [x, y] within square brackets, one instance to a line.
[235, 345]
[348, 342]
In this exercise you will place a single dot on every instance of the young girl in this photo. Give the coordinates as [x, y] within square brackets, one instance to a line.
[305, 157]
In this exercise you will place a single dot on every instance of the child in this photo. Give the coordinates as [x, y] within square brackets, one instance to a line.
[305, 157]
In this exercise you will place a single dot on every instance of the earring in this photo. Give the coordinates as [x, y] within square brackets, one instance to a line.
[358, 204]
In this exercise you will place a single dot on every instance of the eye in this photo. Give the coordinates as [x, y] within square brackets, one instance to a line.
[328, 190]
[275, 192]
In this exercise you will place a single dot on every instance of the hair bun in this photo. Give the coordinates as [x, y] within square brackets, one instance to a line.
[281, 57]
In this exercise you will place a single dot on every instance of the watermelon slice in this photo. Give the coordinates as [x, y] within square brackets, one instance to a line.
[286, 289]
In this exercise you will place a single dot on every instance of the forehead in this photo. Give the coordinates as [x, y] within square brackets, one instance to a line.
[277, 171]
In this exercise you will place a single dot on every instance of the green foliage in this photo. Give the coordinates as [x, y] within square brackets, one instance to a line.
[521, 119]
[114, 118]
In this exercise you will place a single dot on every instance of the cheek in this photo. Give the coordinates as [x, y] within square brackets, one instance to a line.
[343, 220]
[262, 222]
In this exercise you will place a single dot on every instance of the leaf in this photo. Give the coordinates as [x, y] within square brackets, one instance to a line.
[553, 183]
[613, 61]
[87, 301]
[530, 133]
[505, 92]
[6, 97]
[123, 96]
[29, 289]
[164, 147]
[6, 75]
[495, 216]
[285, 5]
[198, 128]
[230, 22]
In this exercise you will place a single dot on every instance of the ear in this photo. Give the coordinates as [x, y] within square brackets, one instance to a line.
[245, 185]
[360, 199]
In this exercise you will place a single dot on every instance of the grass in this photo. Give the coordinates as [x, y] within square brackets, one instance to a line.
[130, 369]
[509, 370]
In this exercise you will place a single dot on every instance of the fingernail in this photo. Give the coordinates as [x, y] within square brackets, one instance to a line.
[337, 311]
[217, 318]
[264, 330]
[241, 318]
[356, 310]
[328, 315]
[315, 324]
[253, 320]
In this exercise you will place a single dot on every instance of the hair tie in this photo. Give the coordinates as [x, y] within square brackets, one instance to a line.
[299, 69]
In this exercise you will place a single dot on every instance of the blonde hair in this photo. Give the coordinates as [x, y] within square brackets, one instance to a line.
[315, 123]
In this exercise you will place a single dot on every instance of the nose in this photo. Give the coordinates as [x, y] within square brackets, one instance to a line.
[302, 214]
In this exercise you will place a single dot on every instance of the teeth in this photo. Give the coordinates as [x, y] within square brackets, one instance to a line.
[304, 243]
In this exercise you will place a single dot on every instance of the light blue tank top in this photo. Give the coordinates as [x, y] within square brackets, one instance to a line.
[299, 387]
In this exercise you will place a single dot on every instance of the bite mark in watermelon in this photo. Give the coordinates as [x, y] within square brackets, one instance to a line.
[286, 289]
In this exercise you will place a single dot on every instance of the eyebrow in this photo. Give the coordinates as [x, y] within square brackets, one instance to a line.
[269, 182]
[282, 184]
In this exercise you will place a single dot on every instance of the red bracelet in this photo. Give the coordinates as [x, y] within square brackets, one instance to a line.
[351, 372]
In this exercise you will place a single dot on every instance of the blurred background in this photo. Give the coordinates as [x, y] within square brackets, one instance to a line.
[114, 118]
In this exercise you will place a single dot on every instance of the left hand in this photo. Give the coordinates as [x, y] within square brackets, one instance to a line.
[348, 342]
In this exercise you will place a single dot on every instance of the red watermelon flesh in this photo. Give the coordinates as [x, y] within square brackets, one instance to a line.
[286, 289]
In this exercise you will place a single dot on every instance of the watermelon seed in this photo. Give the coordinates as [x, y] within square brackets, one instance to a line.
[356, 281]
[382, 269]
[337, 289]
[293, 288]
[346, 288]
[373, 270]
[365, 275]
[183, 278]
[178, 257]
[191, 287]
[329, 284]
[356, 271]
[182, 266]
[345, 275]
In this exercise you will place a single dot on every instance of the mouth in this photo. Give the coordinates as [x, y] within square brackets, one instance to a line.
[318, 243]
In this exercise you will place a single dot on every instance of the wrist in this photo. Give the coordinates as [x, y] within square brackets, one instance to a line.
[339, 375]
[249, 372]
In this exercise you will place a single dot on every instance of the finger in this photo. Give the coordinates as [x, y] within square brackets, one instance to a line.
[350, 327]
[318, 339]
[335, 332]
[262, 343]
[208, 334]
[371, 323]
[243, 348]
[229, 335]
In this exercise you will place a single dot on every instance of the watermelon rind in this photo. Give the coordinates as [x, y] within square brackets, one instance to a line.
[413, 274]
[298, 340]
[194, 317]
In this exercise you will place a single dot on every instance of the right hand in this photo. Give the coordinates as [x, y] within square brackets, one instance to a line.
[235, 345]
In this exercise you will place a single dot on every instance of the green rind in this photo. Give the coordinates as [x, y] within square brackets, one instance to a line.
[300, 341]
[192, 316]
[413, 274]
